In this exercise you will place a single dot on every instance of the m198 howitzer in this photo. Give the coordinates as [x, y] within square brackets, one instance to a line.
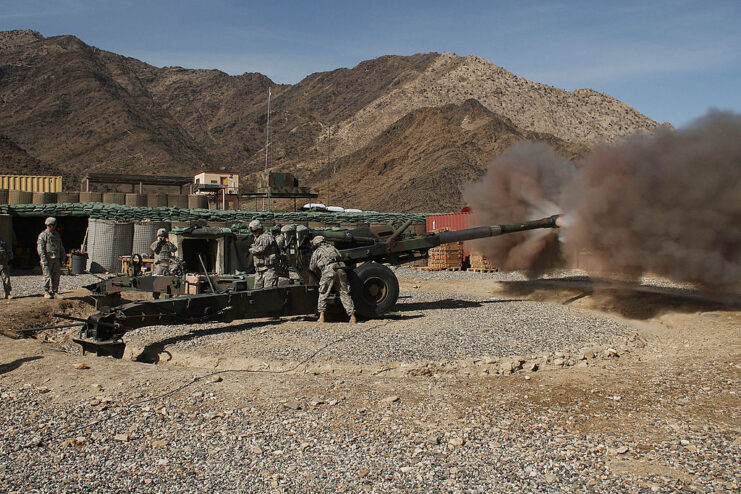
[373, 286]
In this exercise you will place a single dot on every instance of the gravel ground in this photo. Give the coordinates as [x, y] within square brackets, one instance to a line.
[31, 284]
[575, 275]
[197, 443]
[650, 421]
[427, 326]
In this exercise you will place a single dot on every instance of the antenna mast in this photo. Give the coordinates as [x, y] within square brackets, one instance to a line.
[329, 159]
[267, 132]
[267, 146]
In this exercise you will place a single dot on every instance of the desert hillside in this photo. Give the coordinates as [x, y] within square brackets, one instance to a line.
[415, 127]
[14, 159]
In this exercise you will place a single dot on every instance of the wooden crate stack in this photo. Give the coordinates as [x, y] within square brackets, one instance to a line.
[480, 263]
[446, 256]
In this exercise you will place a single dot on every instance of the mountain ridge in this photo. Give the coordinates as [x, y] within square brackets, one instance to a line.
[82, 109]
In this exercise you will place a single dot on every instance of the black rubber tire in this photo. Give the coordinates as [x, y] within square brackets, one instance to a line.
[374, 289]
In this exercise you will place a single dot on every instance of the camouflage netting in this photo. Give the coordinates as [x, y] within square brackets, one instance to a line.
[117, 212]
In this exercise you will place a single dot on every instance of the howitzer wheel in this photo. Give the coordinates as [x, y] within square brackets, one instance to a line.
[374, 289]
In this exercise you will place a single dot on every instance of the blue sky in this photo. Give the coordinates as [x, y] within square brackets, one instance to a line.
[670, 59]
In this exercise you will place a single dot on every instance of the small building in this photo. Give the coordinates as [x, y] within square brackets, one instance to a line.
[228, 180]
[273, 186]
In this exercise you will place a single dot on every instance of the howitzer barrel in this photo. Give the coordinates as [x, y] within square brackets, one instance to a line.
[494, 230]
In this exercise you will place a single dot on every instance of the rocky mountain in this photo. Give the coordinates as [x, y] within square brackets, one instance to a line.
[413, 127]
[14, 160]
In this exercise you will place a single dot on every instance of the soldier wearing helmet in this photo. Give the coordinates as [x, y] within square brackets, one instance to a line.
[51, 254]
[326, 261]
[265, 256]
[164, 251]
[286, 241]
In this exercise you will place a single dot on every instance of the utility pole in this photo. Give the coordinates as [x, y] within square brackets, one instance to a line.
[329, 158]
[267, 145]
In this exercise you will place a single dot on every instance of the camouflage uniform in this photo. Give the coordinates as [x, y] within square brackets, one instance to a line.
[163, 253]
[6, 255]
[327, 260]
[266, 258]
[286, 242]
[282, 243]
[51, 252]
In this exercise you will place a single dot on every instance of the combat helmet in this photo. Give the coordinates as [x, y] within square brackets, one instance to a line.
[317, 240]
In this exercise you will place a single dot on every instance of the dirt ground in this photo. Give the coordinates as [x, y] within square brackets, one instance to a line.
[681, 372]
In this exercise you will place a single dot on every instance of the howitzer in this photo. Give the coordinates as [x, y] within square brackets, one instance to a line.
[108, 292]
[373, 286]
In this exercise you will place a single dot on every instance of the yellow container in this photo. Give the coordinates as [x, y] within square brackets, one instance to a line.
[31, 183]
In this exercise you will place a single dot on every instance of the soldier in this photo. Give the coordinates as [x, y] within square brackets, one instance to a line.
[6, 255]
[303, 254]
[265, 256]
[286, 241]
[51, 253]
[327, 262]
[163, 252]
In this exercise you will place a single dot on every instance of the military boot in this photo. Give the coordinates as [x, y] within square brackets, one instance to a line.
[321, 317]
[353, 319]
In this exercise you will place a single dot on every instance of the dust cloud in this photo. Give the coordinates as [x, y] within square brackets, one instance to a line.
[526, 182]
[668, 203]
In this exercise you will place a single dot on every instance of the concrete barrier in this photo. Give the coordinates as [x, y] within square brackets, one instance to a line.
[44, 198]
[91, 197]
[178, 200]
[157, 200]
[68, 197]
[20, 197]
[114, 198]
[197, 201]
[136, 200]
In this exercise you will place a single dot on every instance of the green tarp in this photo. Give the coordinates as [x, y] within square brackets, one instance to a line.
[117, 212]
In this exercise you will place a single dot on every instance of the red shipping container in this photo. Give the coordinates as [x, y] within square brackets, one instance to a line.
[454, 221]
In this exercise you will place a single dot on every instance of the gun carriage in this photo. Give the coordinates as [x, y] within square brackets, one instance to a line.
[373, 285]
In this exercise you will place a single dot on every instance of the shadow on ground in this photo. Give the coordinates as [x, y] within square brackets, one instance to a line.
[447, 304]
[151, 353]
[11, 366]
[630, 300]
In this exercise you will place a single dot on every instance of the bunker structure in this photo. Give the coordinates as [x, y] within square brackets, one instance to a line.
[105, 232]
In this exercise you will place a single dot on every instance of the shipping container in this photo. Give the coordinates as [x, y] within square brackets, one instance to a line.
[31, 183]
[453, 221]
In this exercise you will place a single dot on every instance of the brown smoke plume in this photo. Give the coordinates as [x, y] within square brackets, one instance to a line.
[668, 203]
[524, 183]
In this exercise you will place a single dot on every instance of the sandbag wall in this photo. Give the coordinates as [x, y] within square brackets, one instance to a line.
[145, 232]
[107, 241]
